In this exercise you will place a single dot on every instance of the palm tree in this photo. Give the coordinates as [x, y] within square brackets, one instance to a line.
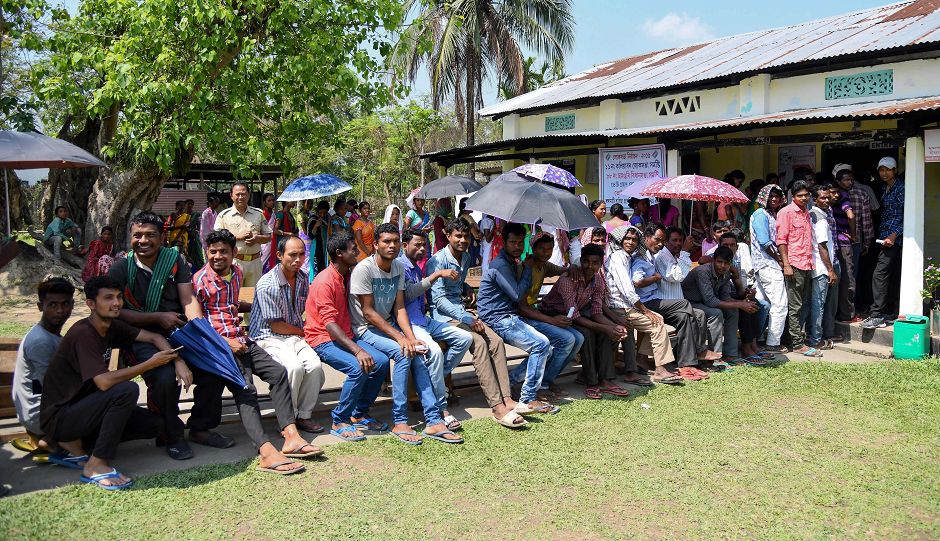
[533, 79]
[474, 40]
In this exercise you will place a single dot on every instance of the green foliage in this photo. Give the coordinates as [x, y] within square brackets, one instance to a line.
[533, 79]
[240, 81]
[932, 278]
[20, 27]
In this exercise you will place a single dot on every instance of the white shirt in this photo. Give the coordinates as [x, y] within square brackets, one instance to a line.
[620, 281]
[821, 235]
[673, 271]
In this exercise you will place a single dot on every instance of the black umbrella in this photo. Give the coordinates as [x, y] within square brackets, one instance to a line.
[513, 199]
[28, 150]
[448, 187]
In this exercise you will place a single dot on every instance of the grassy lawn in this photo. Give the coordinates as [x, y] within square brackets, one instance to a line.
[10, 329]
[798, 451]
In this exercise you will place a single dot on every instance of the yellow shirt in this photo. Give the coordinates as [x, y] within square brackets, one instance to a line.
[538, 276]
[236, 222]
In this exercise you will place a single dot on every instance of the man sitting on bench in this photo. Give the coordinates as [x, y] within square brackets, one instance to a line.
[84, 404]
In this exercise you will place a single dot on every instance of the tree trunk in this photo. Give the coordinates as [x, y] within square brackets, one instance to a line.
[471, 106]
[96, 197]
[19, 204]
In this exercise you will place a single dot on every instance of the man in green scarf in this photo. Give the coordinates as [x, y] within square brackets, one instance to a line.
[158, 293]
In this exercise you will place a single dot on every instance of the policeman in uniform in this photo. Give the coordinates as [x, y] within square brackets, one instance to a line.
[251, 232]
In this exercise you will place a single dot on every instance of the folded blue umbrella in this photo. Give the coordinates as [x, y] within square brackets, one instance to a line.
[206, 349]
[314, 187]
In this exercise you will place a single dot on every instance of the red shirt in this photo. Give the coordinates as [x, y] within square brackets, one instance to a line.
[795, 229]
[326, 303]
[219, 300]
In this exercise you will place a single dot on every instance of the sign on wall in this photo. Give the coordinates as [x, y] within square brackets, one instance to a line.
[621, 167]
[932, 146]
[789, 159]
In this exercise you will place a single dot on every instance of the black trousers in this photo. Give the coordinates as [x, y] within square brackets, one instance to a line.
[678, 313]
[597, 356]
[105, 418]
[889, 262]
[257, 362]
[163, 395]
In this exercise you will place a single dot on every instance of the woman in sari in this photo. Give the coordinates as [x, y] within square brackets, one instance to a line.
[338, 222]
[194, 247]
[664, 212]
[302, 215]
[443, 214]
[269, 209]
[178, 225]
[364, 230]
[284, 226]
[318, 231]
[99, 255]
[418, 218]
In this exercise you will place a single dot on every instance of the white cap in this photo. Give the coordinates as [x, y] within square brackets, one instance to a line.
[839, 167]
[888, 162]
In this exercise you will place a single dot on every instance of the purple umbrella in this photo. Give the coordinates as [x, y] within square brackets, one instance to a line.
[548, 173]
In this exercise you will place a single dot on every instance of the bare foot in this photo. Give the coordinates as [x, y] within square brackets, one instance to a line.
[708, 355]
[294, 444]
[271, 456]
[439, 428]
[407, 432]
[502, 411]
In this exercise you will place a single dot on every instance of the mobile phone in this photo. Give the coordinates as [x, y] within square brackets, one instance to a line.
[421, 348]
[571, 312]
[177, 349]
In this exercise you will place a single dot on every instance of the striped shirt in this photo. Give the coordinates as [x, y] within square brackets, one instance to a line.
[622, 292]
[673, 270]
[276, 301]
[864, 228]
[219, 300]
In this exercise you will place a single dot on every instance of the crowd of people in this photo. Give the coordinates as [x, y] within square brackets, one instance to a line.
[375, 301]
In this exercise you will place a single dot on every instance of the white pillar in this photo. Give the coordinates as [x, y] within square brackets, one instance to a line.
[912, 256]
[673, 163]
[610, 114]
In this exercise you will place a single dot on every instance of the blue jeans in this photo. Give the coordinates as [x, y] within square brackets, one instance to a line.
[562, 340]
[360, 389]
[763, 313]
[813, 308]
[441, 364]
[401, 367]
[514, 330]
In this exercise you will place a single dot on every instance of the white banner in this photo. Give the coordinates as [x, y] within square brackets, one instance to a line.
[932, 146]
[621, 167]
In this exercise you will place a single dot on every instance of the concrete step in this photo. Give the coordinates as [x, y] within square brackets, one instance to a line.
[868, 349]
[855, 334]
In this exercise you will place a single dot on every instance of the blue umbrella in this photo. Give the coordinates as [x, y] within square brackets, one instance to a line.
[314, 187]
[206, 349]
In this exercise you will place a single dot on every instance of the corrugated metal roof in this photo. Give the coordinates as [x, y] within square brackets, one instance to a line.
[914, 22]
[892, 108]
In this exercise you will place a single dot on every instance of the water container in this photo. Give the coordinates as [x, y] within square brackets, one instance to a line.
[911, 339]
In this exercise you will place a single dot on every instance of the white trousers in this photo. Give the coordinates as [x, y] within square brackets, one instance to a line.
[774, 290]
[304, 371]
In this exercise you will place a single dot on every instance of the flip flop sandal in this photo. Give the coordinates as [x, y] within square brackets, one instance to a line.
[113, 474]
[508, 419]
[593, 394]
[295, 454]
[308, 425]
[439, 436]
[559, 391]
[755, 360]
[689, 374]
[67, 460]
[769, 355]
[827, 344]
[616, 391]
[364, 425]
[640, 382]
[272, 468]
[450, 420]
[720, 366]
[400, 433]
[547, 409]
[674, 379]
[339, 433]
[23, 445]
[813, 352]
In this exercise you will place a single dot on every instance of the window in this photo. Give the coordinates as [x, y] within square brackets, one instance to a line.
[561, 122]
[678, 106]
[872, 83]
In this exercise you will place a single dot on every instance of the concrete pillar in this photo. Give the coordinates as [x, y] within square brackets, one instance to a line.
[673, 163]
[512, 127]
[912, 257]
[610, 114]
[754, 93]
[441, 171]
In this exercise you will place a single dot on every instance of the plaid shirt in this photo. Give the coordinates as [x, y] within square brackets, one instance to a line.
[588, 298]
[892, 219]
[219, 300]
[864, 228]
[276, 301]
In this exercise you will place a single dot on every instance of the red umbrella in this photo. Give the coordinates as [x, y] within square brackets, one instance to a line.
[695, 188]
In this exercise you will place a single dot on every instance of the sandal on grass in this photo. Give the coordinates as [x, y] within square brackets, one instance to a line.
[439, 436]
[688, 374]
[672, 379]
[616, 391]
[509, 420]
[640, 381]
[347, 433]
[398, 434]
[755, 360]
[113, 474]
[813, 352]
[593, 393]
[720, 366]
[296, 453]
[273, 468]
[523, 408]
[452, 423]
[371, 424]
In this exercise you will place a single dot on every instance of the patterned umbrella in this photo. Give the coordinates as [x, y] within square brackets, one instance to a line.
[548, 173]
[695, 188]
[314, 187]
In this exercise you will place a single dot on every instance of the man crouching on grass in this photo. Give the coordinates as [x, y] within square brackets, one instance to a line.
[216, 287]
[84, 404]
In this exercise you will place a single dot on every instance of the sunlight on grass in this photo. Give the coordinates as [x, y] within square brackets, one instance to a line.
[797, 451]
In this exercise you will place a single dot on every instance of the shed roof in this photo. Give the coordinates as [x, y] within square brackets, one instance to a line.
[913, 23]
